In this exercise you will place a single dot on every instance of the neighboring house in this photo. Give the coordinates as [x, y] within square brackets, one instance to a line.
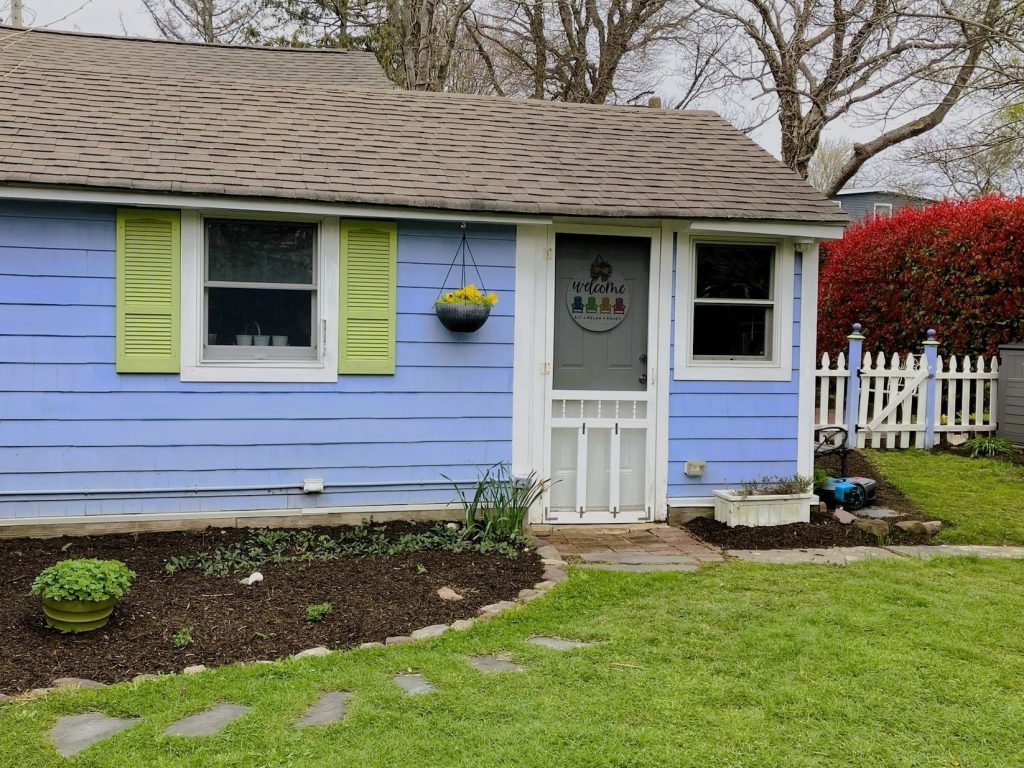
[218, 269]
[872, 203]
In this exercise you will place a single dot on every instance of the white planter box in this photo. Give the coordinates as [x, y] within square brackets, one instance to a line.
[733, 508]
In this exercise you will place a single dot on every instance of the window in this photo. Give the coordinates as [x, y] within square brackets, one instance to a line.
[883, 209]
[733, 302]
[734, 307]
[260, 285]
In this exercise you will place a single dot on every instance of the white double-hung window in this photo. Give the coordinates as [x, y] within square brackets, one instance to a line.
[734, 310]
[259, 297]
[260, 290]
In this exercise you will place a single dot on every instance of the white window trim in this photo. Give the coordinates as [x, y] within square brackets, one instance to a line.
[780, 366]
[194, 368]
[882, 209]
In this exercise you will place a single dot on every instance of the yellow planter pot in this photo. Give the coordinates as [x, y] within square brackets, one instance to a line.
[77, 616]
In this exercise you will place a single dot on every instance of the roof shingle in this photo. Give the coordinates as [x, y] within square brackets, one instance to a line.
[308, 125]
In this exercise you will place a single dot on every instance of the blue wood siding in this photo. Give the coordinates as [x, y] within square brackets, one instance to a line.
[862, 205]
[742, 429]
[69, 423]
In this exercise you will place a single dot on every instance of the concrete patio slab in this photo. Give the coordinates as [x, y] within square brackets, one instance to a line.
[74, 733]
[928, 551]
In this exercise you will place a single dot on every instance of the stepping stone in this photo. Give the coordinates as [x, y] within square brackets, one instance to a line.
[329, 708]
[637, 558]
[878, 513]
[557, 643]
[74, 733]
[652, 568]
[208, 722]
[826, 555]
[492, 665]
[414, 685]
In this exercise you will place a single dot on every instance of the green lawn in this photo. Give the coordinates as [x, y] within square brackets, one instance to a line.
[880, 663]
[983, 498]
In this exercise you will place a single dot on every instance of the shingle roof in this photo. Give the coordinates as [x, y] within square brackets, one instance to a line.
[105, 115]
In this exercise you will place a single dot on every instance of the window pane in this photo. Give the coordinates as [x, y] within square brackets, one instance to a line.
[260, 251]
[734, 271]
[281, 317]
[731, 331]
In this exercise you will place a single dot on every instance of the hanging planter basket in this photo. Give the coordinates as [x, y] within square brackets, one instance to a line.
[462, 318]
[466, 309]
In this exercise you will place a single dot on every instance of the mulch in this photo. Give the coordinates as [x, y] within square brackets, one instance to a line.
[823, 530]
[372, 598]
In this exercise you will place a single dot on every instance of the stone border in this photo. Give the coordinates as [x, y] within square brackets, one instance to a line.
[554, 573]
[846, 555]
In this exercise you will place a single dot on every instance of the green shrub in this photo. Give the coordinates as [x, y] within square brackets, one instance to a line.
[820, 477]
[87, 580]
[986, 446]
[182, 638]
[318, 612]
[776, 486]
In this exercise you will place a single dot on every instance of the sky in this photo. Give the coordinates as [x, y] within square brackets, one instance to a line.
[130, 17]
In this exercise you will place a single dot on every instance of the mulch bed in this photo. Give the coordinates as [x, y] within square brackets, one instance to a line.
[372, 598]
[823, 530]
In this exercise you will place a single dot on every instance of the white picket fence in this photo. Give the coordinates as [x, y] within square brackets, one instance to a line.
[892, 407]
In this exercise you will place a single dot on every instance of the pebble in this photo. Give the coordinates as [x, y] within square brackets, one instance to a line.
[447, 593]
[317, 651]
[254, 578]
[495, 608]
[194, 669]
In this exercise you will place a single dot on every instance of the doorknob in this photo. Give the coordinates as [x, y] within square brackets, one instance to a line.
[643, 379]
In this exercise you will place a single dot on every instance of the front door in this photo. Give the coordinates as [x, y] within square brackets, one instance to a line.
[600, 437]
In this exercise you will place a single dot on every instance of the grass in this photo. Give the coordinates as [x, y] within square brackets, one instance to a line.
[881, 663]
[982, 498]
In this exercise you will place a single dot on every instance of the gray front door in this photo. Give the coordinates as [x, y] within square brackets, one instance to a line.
[587, 355]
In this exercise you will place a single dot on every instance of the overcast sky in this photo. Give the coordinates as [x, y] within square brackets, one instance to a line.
[129, 16]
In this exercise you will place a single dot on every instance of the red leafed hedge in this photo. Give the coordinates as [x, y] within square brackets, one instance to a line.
[957, 267]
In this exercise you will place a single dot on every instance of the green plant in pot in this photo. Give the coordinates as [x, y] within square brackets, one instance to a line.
[79, 595]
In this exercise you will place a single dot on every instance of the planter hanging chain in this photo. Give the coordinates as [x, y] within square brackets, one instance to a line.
[461, 251]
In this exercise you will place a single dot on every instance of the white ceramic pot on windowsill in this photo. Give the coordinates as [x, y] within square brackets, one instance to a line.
[734, 508]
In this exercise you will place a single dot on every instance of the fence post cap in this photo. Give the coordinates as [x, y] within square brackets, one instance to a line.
[931, 342]
[856, 332]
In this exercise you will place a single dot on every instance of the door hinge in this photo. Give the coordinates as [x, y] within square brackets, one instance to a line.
[547, 254]
[545, 369]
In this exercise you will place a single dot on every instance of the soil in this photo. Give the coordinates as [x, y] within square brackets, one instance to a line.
[1016, 458]
[823, 530]
[372, 598]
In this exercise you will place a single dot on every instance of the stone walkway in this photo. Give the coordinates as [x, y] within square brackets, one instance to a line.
[636, 549]
[846, 555]
[73, 733]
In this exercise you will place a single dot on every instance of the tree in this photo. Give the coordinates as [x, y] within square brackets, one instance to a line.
[904, 64]
[827, 163]
[957, 267]
[206, 21]
[588, 51]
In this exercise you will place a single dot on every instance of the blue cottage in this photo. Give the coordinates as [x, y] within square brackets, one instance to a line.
[218, 270]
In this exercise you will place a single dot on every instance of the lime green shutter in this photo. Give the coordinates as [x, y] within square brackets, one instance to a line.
[148, 293]
[369, 278]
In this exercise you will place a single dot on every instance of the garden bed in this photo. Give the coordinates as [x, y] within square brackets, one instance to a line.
[823, 530]
[371, 597]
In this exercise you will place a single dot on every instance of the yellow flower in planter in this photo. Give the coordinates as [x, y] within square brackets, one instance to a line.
[469, 294]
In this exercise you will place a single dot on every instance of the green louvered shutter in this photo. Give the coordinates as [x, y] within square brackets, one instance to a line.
[369, 276]
[148, 295]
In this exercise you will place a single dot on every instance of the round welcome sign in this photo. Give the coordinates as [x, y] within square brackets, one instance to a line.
[595, 299]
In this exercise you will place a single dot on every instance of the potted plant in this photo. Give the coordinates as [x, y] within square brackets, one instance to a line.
[79, 595]
[464, 310]
[768, 501]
